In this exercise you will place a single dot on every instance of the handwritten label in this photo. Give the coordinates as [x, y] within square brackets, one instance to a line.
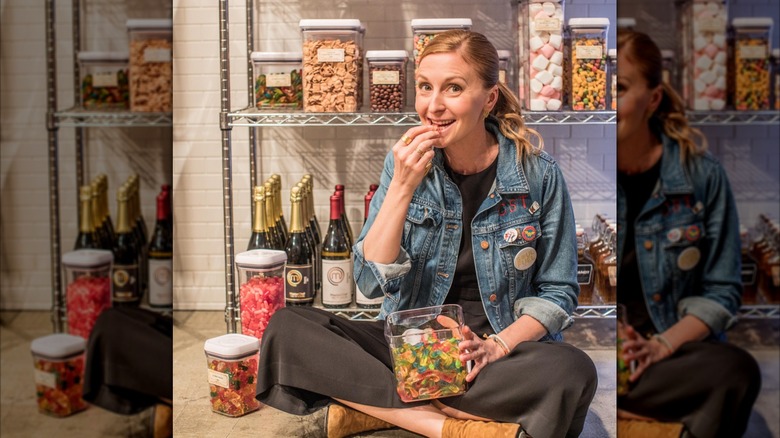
[157, 55]
[385, 77]
[709, 25]
[45, 379]
[104, 79]
[330, 55]
[278, 80]
[502, 76]
[752, 52]
[589, 52]
[219, 379]
[547, 24]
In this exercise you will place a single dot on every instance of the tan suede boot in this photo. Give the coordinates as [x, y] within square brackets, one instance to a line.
[648, 429]
[474, 429]
[162, 421]
[342, 421]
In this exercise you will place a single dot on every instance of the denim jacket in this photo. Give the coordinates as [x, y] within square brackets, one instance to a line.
[529, 197]
[687, 243]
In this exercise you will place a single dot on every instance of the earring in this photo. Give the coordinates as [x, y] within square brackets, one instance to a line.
[485, 114]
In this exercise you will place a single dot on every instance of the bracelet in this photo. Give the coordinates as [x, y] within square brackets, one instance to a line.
[663, 341]
[500, 343]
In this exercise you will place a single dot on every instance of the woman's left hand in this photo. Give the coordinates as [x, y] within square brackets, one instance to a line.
[482, 352]
[645, 351]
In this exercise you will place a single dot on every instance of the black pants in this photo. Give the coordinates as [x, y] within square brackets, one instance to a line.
[129, 360]
[708, 386]
[309, 356]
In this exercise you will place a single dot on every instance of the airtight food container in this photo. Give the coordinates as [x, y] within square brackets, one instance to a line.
[505, 73]
[278, 80]
[88, 288]
[541, 63]
[626, 23]
[261, 288]
[58, 361]
[387, 80]
[232, 373]
[612, 77]
[751, 63]
[669, 68]
[104, 80]
[588, 80]
[151, 64]
[424, 348]
[425, 29]
[331, 65]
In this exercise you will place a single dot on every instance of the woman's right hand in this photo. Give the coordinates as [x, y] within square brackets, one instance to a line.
[412, 153]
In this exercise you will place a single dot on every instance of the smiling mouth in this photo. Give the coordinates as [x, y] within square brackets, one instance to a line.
[441, 124]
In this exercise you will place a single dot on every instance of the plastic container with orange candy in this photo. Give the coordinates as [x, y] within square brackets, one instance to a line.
[232, 373]
[59, 373]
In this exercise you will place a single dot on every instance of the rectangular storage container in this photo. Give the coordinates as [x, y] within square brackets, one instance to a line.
[104, 83]
[59, 373]
[232, 373]
[151, 66]
[424, 348]
[331, 65]
[588, 80]
[260, 288]
[426, 29]
[751, 86]
[703, 53]
[612, 77]
[387, 80]
[505, 72]
[669, 68]
[776, 78]
[88, 288]
[278, 79]
[541, 47]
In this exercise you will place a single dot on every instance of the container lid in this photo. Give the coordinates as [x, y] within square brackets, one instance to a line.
[387, 54]
[776, 53]
[626, 22]
[150, 24]
[58, 345]
[232, 345]
[261, 258]
[752, 22]
[87, 258]
[612, 53]
[276, 56]
[589, 22]
[314, 24]
[438, 23]
[667, 54]
[504, 54]
[103, 56]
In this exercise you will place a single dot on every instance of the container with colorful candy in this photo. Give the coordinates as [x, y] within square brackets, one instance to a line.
[88, 291]
[424, 347]
[261, 288]
[59, 373]
[278, 80]
[426, 29]
[104, 80]
[751, 63]
[232, 373]
[588, 82]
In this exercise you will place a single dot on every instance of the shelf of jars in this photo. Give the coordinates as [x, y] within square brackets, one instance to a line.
[79, 117]
[733, 117]
[765, 311]
[251, 117]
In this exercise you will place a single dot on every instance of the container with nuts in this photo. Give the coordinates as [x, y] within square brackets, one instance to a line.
[426, 29]
[751, 87]
[588, 81]
[541, 45]
[151, 66]
[278, 80]
[387, 80]
[331, 65]
[104, 80]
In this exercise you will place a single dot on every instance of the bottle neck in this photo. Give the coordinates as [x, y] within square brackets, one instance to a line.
[123, 216]
[85, 215]
[335, 208]
[269, 207]
[296, 217]
[259, 221]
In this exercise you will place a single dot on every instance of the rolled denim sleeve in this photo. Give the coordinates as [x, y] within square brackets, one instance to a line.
[712, 313]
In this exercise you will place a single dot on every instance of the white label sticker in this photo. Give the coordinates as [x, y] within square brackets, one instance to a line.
[337, 282]
[330, 55]
[278, 80]
[157, 55]
[752, 52]
[45, 379]
[385, 77]
[709, 25]
[502, 76]
[104, 79]
[160, 282]
[547, 24]
[589, 52]
[219, 379]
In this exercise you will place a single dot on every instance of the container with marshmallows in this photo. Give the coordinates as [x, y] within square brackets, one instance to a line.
[751, 64]
[541, 54]
[588, 81]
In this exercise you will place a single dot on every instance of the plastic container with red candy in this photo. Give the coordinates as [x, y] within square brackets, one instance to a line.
[261, 288]
[59, 373]
[232, 361]
[424, 347]
[88, 292]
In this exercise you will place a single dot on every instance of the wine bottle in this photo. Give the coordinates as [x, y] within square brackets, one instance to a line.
[348, 228]
[273, 232]
[336, 261]
[108, 224]
[277, 184]
[137, 221]
[298, 273]
[87, 238]
[125, 270]
[259, 238]
[161, 256]
[313, 241]
[309, 181]
[97, 216]
[361, 300]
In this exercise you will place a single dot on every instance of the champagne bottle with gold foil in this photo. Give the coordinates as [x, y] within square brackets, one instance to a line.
[107, 223]
[313, 240]
[125, 270]
[273, 233]
[260, 238]
[87, 237]
[277, 184]
[299, 270]
[348, 228]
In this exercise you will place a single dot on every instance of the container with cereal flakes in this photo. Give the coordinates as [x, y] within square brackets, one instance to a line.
[151, 66]
[104, 80]
[58, 361]
[331, 65]
[278, 80]
[588, 73]
[232, 373]
[88, 290]
[261, 288]
[426, 29]
[751, 87]
[541, 48]
[387, 80]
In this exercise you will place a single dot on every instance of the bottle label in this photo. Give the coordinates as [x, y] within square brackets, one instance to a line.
[219, 379]
[336, 285]
[749, 271]
[126, 285]
[160, 282]
[584, 274]
[298, 283]
[45, 379]
[278, 80]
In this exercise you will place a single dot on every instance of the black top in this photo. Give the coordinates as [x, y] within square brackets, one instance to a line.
[638, 189]
[465, 288]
